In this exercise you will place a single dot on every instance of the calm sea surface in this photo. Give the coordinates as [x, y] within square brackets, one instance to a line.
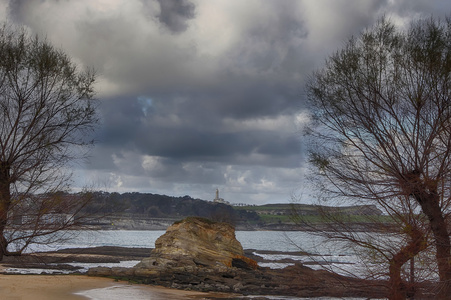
[292, 241]
[259, 240]
[339, 257]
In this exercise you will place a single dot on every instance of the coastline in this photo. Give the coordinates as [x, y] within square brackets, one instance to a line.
[280, 274]
[294, 281]
[78, 287]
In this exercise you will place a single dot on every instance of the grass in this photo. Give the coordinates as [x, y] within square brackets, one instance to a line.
[305, 213]
[268, 207]
[275, 219]
[344, 218]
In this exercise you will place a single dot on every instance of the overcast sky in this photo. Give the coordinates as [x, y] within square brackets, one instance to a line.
[204, 94]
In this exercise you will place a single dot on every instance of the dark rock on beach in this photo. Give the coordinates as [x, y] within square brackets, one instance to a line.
[61, 259]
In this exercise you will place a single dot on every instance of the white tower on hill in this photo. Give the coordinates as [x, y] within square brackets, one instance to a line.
[219, 200]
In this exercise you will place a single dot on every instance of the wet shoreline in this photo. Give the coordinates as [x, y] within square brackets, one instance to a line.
[66, 260]
[297, 280]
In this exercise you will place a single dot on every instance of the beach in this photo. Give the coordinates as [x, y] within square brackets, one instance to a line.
[78, 287]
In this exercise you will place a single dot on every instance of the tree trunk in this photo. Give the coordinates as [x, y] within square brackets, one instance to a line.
[431, 208]
[5, 202]
[398, 289]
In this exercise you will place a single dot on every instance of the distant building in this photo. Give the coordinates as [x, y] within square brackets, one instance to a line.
[219, 200]
[45, 219]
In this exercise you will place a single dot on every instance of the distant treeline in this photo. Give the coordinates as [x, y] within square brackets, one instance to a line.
[146, 205]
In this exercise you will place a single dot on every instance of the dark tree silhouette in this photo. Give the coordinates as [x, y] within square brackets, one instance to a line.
[47, 110]
[382, 115]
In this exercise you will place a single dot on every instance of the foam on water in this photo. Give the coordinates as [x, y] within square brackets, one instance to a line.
[124, 264]
[275, 265]
[35, 271]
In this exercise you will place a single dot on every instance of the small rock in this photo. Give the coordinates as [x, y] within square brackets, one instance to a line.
[142, 272]
[123, 272]
[238, 287]
[100, 271]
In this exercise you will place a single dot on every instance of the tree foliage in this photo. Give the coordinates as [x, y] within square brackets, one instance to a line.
[139, 205]
[382, 109]
[47, 110]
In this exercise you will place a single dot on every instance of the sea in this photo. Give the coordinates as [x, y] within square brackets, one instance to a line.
[322, 254]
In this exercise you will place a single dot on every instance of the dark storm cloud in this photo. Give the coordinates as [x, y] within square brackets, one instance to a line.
[190, 145]
[174, 14]
[234, 96]
[203, 94]
[18, 10]
[191, 136]
[15, 7]
[185, 121]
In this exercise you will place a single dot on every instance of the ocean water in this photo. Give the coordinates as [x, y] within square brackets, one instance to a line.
[333, 255]
[259, 240]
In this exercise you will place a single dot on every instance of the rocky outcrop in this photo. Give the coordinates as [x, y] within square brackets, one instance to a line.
[197, 242]
[297, 281]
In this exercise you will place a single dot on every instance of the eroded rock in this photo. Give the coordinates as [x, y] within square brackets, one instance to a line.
[197, 242]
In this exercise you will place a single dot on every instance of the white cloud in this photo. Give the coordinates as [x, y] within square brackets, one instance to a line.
[280, 123]
[152, 163]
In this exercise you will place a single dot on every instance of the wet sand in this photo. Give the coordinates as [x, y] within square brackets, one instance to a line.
[78, 287]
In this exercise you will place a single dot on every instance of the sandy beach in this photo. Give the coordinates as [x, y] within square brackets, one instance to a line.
[77, 287]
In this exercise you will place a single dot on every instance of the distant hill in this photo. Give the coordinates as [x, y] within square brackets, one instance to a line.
[285, 215]
[153, 211]
[310, 209]
[146, 205]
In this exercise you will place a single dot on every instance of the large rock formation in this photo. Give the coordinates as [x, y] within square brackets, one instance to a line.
[197, 242]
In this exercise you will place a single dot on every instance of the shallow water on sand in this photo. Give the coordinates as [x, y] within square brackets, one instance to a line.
[121, 292]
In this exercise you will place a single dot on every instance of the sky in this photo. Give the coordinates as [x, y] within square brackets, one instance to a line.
[197, 95]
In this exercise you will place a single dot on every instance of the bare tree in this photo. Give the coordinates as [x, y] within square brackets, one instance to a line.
[383, 111]
[384, 242]
[47, 110]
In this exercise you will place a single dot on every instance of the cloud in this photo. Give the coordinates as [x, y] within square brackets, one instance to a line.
[174, 14]
[200, 94]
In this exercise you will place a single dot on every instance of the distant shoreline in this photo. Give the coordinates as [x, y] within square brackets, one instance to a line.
[354, 227]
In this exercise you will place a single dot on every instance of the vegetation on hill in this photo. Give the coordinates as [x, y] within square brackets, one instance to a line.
[307, 213]
[147, 206]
